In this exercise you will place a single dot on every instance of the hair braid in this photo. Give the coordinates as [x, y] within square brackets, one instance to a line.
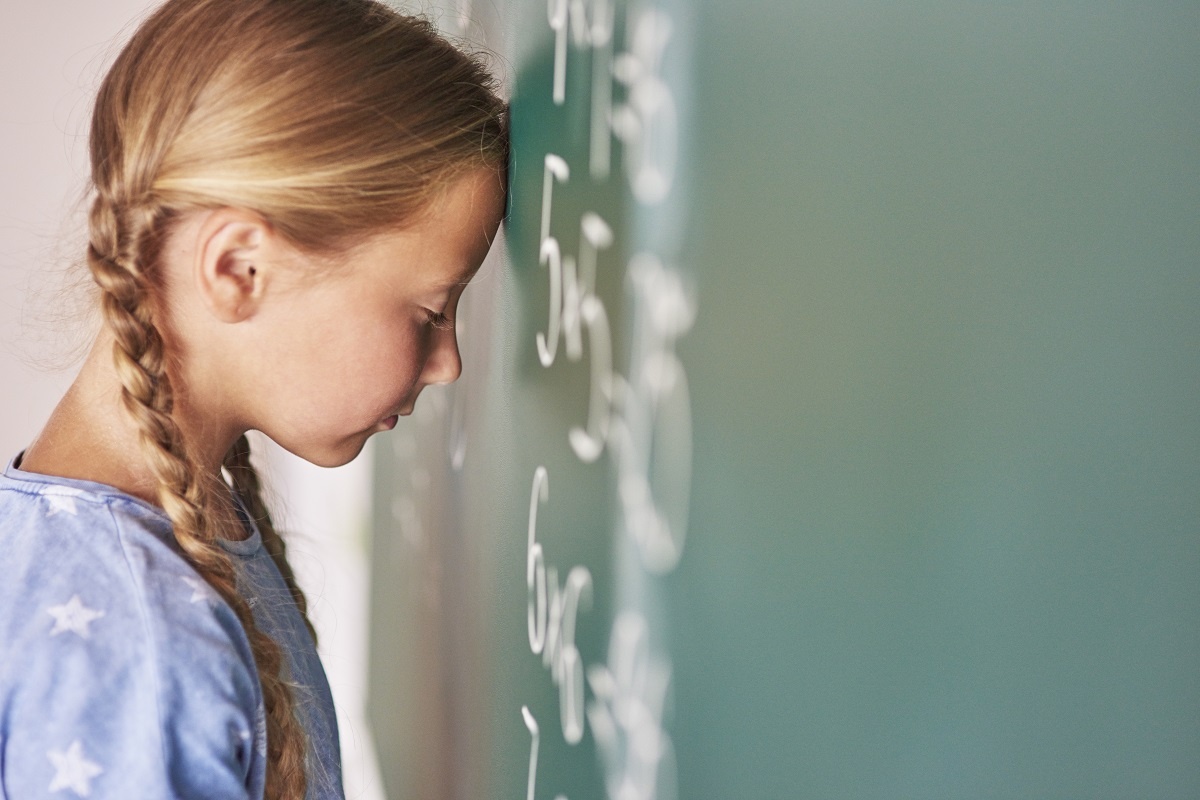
[138, 352]
[249, 489]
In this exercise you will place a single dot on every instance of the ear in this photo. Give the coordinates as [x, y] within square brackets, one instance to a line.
[230, 263]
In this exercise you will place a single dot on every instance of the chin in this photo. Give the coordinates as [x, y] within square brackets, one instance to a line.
[334, 456]
[342, 457]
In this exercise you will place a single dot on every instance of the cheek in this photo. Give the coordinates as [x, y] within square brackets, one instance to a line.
[383, 358]
[353, 360]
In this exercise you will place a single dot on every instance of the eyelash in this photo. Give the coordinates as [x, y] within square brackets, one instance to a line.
[439, 320]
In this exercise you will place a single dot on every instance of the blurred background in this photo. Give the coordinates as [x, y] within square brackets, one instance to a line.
[830, 429]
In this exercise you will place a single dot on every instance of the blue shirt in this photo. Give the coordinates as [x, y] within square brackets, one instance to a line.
[122, 673]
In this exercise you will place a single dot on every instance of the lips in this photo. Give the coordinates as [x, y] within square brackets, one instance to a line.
[390, 421]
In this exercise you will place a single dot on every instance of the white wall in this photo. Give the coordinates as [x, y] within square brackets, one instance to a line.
[51, 58]
[53, 54]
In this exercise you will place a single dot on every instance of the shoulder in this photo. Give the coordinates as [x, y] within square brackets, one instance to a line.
[76, 561]
[129, 661]
[94, 564]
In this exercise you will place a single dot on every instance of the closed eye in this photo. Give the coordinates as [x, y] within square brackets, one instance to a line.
[439, 320]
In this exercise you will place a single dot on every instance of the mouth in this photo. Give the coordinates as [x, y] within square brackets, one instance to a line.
[390, 422]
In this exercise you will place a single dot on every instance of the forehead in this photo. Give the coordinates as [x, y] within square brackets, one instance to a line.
[447, 244]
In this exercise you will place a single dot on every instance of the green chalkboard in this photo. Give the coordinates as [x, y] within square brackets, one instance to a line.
[830, 418]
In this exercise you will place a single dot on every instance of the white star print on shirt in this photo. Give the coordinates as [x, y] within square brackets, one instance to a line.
[61, 501]
[73, 616]
[200, 590]
[72, 770]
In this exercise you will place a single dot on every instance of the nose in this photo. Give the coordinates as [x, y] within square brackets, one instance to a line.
[444, 364]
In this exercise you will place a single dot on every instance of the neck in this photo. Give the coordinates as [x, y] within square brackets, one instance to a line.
[90, 435]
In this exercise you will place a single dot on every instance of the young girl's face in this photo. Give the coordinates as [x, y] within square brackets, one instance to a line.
[346, 352]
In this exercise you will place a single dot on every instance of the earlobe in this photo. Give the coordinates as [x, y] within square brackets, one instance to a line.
[229, 274]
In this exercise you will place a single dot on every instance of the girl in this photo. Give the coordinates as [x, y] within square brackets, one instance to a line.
[288, 198]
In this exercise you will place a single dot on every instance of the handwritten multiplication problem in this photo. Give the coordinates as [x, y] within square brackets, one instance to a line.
[641, 419]
[553, 609]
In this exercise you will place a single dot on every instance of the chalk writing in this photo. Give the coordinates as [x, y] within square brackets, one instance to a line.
[626, 715]
[647, 123]
[551, 612]
[642, 419]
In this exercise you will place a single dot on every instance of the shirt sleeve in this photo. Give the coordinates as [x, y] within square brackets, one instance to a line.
[135, 680]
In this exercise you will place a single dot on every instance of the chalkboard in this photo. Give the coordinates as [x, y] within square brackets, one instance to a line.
[829, 424]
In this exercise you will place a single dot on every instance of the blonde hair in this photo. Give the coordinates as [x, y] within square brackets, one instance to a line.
[333, 120]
